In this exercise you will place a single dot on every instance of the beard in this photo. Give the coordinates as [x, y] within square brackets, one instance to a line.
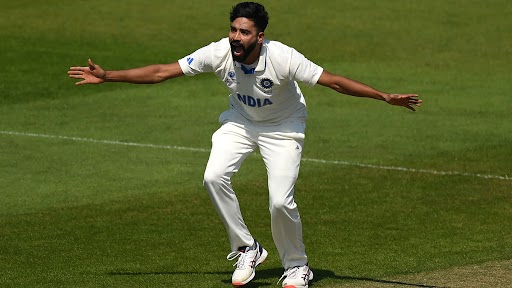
[240, 52]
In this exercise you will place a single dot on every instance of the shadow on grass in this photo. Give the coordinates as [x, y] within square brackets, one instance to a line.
[319, 275]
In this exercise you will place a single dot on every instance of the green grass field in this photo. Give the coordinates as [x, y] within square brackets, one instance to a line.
[101, 186]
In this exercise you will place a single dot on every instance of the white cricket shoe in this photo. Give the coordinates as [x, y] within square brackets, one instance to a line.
[250, 257]
[297, 277]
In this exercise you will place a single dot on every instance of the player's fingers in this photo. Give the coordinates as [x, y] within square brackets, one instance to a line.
[410, 96]
[77, 68]
[92, 66]
[76, 76]
[74, 72]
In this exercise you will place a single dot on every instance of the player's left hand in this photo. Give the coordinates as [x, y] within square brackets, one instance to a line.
[408, 101]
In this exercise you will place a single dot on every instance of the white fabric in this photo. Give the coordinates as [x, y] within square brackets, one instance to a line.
[270, 95]
[281, 149]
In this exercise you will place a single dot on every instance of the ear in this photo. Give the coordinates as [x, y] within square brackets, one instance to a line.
[261, 37]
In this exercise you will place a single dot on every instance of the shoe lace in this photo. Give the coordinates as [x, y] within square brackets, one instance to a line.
[287, 273]
[292, 272]
[233, 255]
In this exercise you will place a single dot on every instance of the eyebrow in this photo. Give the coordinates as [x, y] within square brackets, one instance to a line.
[241, 30]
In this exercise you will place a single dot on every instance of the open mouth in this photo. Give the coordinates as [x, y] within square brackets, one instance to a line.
[237, 48]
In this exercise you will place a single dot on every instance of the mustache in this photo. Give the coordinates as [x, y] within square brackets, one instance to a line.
[236, 43]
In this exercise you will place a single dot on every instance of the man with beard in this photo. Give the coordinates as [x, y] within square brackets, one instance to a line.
[267, 112]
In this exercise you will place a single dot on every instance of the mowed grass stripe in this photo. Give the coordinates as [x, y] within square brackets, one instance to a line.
[323, 161]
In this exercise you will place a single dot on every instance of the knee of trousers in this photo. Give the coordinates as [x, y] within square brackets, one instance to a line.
[214, 179]
[282, 206]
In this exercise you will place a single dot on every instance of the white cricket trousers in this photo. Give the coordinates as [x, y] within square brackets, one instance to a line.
[281, 149]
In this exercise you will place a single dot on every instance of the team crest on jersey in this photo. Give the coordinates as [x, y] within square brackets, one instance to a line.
[266, 83]
[231, 78]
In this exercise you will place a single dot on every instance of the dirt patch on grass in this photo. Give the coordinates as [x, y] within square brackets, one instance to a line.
[488, 275]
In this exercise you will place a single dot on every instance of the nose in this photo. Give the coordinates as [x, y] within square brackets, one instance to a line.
[237, 35]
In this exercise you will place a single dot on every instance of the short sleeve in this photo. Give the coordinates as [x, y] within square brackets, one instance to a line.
[198, 62]
[304, 70]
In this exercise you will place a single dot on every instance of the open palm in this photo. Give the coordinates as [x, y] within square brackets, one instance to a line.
[92, 74]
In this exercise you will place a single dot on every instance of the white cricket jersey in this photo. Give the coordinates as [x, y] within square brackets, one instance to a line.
[266, 92]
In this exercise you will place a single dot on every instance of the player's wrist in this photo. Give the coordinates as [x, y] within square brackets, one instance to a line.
[385, 96]
[104, 76]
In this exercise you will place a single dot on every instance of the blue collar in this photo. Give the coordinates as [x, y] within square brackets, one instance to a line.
[247, 70]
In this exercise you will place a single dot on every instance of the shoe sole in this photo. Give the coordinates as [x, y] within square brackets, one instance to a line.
[260, 260]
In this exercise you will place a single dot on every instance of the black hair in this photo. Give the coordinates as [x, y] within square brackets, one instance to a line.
[251, 10]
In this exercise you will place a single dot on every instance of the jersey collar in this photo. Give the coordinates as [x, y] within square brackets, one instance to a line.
[262, 61]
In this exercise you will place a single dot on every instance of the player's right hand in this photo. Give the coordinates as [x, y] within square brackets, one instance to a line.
[92, 74]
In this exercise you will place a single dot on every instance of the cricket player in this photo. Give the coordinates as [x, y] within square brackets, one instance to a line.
[267, 112]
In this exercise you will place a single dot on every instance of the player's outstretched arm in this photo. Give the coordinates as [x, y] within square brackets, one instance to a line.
[350, 87]
[94, 74]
